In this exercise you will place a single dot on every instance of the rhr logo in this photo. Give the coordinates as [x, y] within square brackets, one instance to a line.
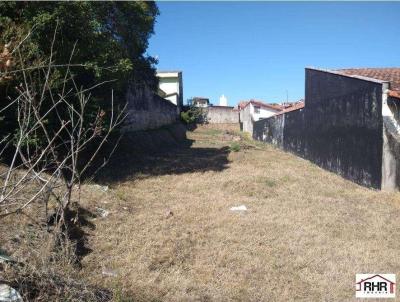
[375, 285]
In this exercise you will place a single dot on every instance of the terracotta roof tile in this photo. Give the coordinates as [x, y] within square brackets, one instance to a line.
[296, 106]
[269, 106]
[394, 94]
[392, 75]
[244, 104]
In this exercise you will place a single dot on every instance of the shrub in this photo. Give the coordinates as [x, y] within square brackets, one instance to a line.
[194, 115]
[235, 147]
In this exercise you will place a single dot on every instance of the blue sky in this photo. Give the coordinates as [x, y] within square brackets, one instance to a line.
[259, 49]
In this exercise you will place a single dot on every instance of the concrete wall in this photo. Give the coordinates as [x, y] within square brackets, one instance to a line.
[343, 126]
[391, 143]
[295, 132]
[339, 129]
[147, 110]
[222, 115]
[248, 116]
[264, 112]
[246, 119]
[270, 130]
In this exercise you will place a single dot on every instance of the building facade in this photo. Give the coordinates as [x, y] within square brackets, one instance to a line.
[170, 87]
[252, 111]
[200, 102]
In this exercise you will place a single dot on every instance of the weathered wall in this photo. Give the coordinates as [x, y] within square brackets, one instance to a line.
[246, 121]
[339, 129]
[295, 132]
[391, 145]
[270, 130]
[147, 110]
[222, 115]
[343, 126]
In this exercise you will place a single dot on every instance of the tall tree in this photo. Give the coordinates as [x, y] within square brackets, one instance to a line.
[108, 40]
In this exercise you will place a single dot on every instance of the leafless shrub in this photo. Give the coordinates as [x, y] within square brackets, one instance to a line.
[55, 143]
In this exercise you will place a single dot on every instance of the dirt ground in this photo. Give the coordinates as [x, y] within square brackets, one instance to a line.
[170, 234]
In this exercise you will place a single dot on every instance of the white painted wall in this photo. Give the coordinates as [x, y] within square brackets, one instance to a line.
[200, 104]
[264, 112]
[390, 124]
[246, 120]
[248, 116]
[223, 101]
[171, 83]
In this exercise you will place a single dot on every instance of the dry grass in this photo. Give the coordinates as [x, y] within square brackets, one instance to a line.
[306, 233]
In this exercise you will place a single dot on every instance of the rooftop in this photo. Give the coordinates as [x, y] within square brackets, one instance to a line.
[168, 73]
[199, 98]
[276, 107]
[293, 106]
[391, 75]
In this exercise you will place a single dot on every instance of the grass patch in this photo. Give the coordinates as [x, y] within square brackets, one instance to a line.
[170, 236]
[270, 182]
[235, 147]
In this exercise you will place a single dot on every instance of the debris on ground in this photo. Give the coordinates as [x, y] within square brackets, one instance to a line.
[9, 294]
[109, 272]
[239, 208]
[5, 258]
[102, 212]
[169, 214]
[101, 188]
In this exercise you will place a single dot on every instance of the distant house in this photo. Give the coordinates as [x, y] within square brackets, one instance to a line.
[171, 87]
[253, 110]
[200, 102]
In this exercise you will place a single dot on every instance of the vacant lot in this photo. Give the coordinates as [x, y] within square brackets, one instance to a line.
[170, 235]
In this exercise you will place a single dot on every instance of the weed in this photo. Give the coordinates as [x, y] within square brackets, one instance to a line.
[235, 147]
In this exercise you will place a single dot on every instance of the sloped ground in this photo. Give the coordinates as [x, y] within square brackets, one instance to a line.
[170, 235]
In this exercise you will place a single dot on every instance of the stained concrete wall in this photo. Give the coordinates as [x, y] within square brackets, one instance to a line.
[222, 115]
[270, 130]
[246, 120]
[147, 110]
[343, 126]
[339, 129]
[391, 144]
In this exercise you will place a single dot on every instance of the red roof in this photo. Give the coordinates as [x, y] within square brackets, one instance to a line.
[394, 94]
[242, 104]
[391, 75]
[296, 106]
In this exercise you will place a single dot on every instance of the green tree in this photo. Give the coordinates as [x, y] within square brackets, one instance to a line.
[111, 37]
[109, 40]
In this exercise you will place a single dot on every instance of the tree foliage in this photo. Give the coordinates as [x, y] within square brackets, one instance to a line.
[194, 115]
[101, 42]
[111, 37]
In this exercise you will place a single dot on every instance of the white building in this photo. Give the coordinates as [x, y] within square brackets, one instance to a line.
[223, 101]
[252, 111]
[200, 102]
[171, 87]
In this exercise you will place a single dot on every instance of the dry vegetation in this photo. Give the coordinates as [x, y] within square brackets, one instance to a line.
[170, 235]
